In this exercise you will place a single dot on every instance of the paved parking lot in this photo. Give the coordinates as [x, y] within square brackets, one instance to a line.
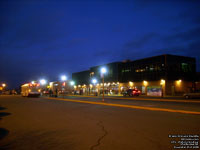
[80, 123]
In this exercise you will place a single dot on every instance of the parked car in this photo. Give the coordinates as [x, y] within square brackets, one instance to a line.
[131, 92]
[192, 95]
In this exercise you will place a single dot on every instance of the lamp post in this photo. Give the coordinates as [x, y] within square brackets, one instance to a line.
[63, 79]
[103, 71]
[3, 85]
[42, 83]
[72, 83]
[94, 81]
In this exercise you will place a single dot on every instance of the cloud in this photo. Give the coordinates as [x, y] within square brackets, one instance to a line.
[185, 36]
[139, 43]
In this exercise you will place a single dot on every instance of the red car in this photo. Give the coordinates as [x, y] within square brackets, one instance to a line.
[132, 92]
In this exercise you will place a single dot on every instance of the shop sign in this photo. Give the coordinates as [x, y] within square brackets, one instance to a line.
[154, 91]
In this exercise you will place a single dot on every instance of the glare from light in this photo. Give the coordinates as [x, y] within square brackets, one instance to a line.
[103, 70]
[130, 83]
[43, 81]
[178, 82]
[94, 81]
[145, 83]
[72, 83]
[32, 82]
[162, 82]
[4, 85]
[63, 77]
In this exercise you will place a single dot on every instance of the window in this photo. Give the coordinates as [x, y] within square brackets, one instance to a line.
[139, 70]
[185, 67]
[151, 69]
[126, 70]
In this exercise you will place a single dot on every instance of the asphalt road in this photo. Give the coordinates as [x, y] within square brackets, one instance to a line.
[87, 123]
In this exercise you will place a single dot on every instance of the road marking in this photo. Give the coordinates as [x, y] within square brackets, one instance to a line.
[129, 106]
[148, 99]
[138, 99]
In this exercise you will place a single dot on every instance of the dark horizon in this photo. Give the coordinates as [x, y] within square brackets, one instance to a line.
[45, 39]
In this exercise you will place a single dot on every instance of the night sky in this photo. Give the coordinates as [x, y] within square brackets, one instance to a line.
[47, 38]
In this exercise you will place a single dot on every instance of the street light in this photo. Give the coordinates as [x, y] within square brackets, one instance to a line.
[72, 83]
[43, 82]
[94, 81]
[63, 77]
[4, 85]
[103, 71]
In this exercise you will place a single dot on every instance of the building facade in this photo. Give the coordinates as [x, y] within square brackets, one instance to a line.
[154, 76]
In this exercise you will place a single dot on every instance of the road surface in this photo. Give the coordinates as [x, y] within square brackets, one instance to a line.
[87, 123]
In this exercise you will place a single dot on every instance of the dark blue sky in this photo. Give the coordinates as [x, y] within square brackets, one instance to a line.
[47, 38]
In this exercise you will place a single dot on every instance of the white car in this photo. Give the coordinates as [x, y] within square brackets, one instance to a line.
[191, 95]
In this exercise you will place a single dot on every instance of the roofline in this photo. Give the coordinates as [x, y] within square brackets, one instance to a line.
[106, 64]
[162, 55]
[136, 60]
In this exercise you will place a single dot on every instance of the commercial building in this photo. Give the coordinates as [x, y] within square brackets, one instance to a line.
[197, 83]
[155, 76]
[59, 88]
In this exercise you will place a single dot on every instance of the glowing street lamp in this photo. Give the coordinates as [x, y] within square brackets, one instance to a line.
[4, 85]
[94, 81]
[43, 82]
[103, 71]
[72, 83]
[63, 77]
